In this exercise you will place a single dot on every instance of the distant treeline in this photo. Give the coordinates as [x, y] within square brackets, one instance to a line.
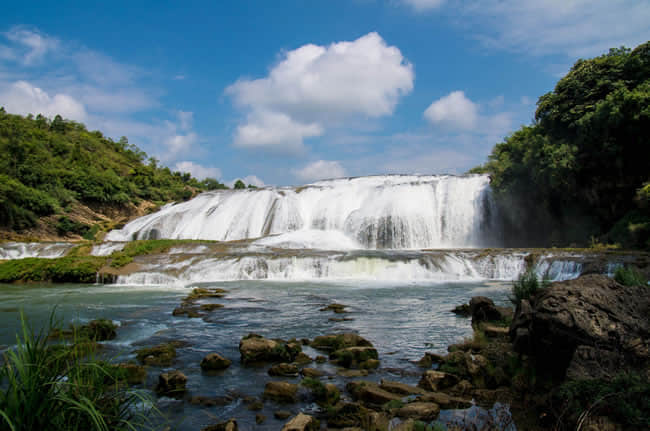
[46, 165]
[581, 172]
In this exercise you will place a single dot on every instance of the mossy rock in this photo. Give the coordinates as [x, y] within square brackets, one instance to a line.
[353, 357]
[161, 355]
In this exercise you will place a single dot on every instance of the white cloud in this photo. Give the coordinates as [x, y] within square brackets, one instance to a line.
[319, 170]
[275, 131]
[315, 86]
[453, 111]
[24, 98]
[198, 171]
[424, 5]
[576, 28]
[185, 119]
[37, 44]
[177, 144]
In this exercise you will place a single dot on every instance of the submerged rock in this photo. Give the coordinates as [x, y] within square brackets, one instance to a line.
[462, 310]
[400, 388]
[132, 373]
[333, 342]
[284, 370]
[281, 414]
[590, 327]
[337, 308]
[214, 361]
[229, 425]
[171, 383]
[283, 392]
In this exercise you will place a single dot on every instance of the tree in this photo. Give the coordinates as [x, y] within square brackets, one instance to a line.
[582, 161]
[239, 184]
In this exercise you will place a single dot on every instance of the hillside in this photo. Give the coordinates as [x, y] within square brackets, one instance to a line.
[580, 171]
[60, 180]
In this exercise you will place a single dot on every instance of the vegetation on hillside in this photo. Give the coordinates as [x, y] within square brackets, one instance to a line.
[47, 165]
[579, 170]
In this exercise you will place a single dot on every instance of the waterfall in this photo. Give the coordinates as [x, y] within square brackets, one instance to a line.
[378, 212]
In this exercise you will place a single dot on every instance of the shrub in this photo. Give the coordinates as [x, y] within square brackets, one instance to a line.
[629, 276]
[46, 388]
[526, 286]
[625, 399]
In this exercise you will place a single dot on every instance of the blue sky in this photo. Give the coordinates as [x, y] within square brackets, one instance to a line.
[288, 92]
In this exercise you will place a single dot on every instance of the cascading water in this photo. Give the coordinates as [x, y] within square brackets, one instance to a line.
[381, 212]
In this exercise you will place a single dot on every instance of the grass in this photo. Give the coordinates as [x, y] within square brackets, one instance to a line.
[629, 276]
[526, 286]
[82, 269]
[64, 388]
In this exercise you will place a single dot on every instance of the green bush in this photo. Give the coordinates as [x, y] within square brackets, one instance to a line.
[629, 276]
[625, 399]
[63, 388]
[526, 286]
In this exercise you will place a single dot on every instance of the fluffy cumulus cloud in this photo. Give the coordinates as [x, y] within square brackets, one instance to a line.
[313, 87]
[23, 98]
[319, 170]
[453, 111]
[198, 171]
[275, 131]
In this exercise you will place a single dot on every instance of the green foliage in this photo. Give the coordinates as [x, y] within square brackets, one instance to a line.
[526, 286]
[64, 225]
[47, 165]
[625, 399]
[629, 276]
[581, 163]
[239, 184]
[70, 269]
[62, 388]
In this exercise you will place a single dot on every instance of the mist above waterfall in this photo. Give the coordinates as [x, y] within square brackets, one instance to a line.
[378, 212]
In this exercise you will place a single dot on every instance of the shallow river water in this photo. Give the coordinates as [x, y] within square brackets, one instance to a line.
[401, 320]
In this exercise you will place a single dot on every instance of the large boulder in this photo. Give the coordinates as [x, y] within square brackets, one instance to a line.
[482, 309]
[214, 361]
[302, 422]
[590, 327]
[255, 348]
[424, 411]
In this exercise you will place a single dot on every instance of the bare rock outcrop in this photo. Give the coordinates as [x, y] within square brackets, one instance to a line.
[590, 327]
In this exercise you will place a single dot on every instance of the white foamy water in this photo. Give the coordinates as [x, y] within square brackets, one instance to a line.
[106, 248]
[21, 250]
[381, 212]
[412, 267]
